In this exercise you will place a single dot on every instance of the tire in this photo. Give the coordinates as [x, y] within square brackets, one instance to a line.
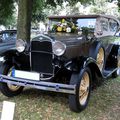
[97, 52]
[114, 74]
[76, 103]
[4, 87]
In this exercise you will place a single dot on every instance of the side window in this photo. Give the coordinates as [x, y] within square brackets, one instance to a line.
[113, 25]
[4, 36]
[104, 25]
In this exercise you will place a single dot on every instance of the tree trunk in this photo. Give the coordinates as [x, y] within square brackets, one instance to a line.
[24, 19]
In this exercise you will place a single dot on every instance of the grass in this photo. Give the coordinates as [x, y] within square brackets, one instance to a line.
[33, 104]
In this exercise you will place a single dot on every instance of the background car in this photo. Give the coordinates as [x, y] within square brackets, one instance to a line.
[7, 40]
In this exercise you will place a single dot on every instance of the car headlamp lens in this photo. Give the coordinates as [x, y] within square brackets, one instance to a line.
[59, 48]
[20, 45]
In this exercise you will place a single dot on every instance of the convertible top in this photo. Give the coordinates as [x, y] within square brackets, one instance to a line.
[84, 16]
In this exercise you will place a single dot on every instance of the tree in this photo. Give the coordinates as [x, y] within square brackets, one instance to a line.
[25, 12]
[24, 19]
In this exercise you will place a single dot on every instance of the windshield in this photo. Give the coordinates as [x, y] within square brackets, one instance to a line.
[70, 25]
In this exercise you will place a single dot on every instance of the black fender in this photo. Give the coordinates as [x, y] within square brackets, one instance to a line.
[95, 46]
[14, 57]
[78, 64]
[10, 55]
[113, 57]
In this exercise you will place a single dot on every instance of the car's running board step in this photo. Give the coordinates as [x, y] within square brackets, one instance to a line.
[47, 86]
[109, 72]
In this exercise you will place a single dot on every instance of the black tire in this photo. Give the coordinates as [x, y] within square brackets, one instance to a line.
[74, 102]
[114, 74]
[94, 52]
[4, 86]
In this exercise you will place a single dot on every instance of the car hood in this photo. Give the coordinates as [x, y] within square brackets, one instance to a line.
[64, 37]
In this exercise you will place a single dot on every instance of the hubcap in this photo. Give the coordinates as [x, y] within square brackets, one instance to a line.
[84, 88]
[100, 59]
[11, 86]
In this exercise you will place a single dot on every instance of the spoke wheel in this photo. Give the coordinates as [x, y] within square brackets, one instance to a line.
[84, 88]
[9, 90]
[79, 100]
[100, 58]
[11, 86]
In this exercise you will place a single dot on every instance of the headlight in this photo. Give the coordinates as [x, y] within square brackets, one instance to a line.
[20, 45]
[59, 48]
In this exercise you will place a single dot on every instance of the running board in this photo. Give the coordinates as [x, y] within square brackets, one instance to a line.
[107, 73]
[47, 86]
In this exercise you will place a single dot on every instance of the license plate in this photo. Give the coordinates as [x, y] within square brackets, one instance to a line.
[26, 75]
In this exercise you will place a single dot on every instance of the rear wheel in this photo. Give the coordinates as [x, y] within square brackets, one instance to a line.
[100, 58]
[97, 52]
[115, 74]
[79, 101]
[9, 90]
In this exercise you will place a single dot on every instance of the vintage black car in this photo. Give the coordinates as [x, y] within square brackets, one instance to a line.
[7, 39]
[78, 53]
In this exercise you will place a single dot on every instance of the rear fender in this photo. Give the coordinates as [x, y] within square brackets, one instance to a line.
[113, 57]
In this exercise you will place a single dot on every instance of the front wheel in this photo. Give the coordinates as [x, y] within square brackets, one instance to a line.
[9, 90]
[79, 101]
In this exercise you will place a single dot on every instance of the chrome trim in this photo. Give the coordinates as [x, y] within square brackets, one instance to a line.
[41, 52]
[60, 43]
[53, 56]
[47, 86]
[42, 35]
[2, 59]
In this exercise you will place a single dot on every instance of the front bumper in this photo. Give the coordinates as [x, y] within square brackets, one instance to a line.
[46, 86]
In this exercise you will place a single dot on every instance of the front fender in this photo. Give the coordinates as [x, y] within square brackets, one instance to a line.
[16, 58]
[8, 55]
[76, 64]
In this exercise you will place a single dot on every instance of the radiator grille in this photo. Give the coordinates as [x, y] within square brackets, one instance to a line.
[41, 57]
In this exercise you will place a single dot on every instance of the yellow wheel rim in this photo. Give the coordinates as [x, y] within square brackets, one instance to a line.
[11, 86]
[84, 88]
[100, 59]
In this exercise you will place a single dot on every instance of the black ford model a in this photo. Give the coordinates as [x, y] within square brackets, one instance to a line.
[77, 53]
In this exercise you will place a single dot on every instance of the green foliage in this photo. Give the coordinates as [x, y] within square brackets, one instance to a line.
[40, 5]
[37, 13]
[6, 11]
[118, 5]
